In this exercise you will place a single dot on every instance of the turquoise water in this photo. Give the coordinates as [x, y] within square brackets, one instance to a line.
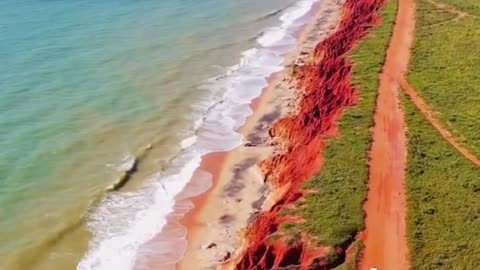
[83, 84]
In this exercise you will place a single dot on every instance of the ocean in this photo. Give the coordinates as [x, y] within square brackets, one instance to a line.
[106, 108]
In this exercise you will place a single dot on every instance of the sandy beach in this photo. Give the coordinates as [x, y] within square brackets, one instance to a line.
[216, 225]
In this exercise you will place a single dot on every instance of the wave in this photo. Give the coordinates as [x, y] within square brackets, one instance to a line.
[127, 167]
[281, 34]
[273, 13]
[123, 223]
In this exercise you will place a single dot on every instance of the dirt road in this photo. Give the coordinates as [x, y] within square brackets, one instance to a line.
[385, 234]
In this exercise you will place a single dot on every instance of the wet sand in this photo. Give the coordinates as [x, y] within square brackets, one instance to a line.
[385, 234]
[178, 222]
[216, 225]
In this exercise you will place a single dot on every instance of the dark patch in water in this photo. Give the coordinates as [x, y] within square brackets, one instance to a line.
[127, 174]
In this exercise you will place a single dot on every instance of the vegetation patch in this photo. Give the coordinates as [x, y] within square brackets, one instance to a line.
[469, 6]
[445, 68]
[443, 200]
[443, 188]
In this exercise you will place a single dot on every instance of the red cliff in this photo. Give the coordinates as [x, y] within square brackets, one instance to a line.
[326, 91]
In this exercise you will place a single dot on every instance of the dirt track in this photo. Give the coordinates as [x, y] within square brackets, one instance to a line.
[385, 234]
[430, 116]
[460, 14]
[425, 108]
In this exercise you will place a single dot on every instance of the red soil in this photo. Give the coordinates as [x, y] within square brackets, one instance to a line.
[430, 116]
[385, 234]
[326, 93]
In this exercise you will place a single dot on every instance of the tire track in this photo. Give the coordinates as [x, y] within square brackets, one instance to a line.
[430, 116]
[460, 14]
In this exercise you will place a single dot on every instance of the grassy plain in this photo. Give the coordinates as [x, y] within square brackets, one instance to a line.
[443, 187]
[445, 66]
[443, 200]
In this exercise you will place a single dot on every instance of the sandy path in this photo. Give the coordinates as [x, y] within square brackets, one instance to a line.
[385, 234]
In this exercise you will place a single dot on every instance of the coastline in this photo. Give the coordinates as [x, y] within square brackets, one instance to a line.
[218, 221]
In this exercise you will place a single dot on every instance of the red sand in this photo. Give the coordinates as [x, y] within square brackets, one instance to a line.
[430, 116]
[326, 93]
[385, 234]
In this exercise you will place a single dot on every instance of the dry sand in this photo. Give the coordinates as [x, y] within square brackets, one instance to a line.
[215, 227]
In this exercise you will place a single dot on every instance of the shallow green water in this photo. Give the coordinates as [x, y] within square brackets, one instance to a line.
[84, 84]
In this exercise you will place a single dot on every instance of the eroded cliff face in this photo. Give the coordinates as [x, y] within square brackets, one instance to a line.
[326, 91]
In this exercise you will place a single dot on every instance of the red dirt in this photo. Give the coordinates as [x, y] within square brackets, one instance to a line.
[385, 234]
[326, 93]
[430, 116]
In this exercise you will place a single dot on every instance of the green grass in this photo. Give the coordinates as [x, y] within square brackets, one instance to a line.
[433, 15]
[443, 188]
[334, 215]
[469, 6]
[445, 67]
[444, 200]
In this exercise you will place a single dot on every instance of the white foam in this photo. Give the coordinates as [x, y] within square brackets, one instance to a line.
[124, 223]
[296, 12]
[125, 164]
[189, 141]
[280, 35]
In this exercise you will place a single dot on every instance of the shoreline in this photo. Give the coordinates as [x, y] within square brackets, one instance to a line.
[210, 244]
[214, 164]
